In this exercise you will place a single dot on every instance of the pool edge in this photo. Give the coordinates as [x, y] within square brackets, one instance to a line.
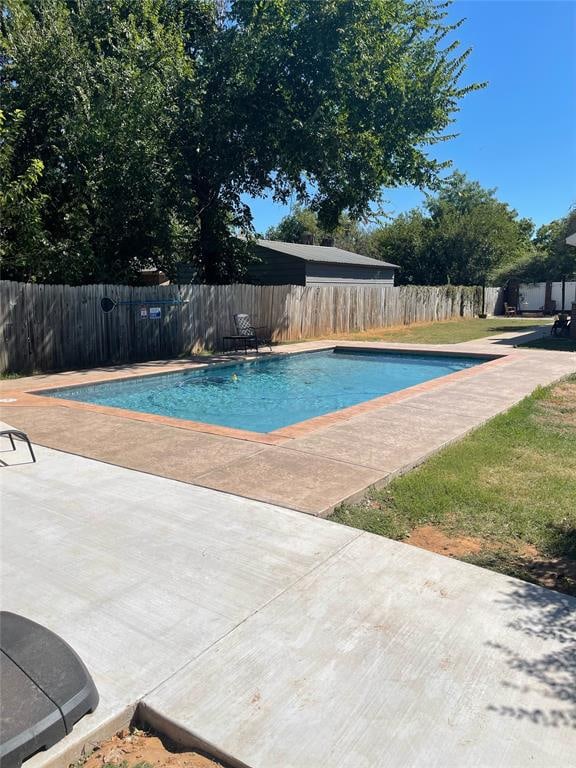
[38, 397]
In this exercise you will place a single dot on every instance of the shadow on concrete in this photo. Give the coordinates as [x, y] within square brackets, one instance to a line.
[522, 329]
[551, 618]
[531, 334]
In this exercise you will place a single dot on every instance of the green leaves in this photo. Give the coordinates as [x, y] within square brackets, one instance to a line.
[466, 236]
[549, 258]
[97, 85]
[349, 234]
[21, 202]
[153, 118]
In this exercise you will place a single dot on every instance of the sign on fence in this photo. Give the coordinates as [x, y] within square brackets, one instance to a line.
[59, 327]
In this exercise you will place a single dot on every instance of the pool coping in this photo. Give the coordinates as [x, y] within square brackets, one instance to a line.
[36, 397]
[312, 467]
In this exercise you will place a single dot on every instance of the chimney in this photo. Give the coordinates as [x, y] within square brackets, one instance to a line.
[307, 238]
[327, 240]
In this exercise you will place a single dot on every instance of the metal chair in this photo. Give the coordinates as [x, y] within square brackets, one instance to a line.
[16, 433]
[561, 326]
[247, 331]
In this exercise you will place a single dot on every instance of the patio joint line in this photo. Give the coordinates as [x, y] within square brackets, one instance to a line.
[227, 464]
[282, 448]
[192, 481]
[406, 467]
[253, 613]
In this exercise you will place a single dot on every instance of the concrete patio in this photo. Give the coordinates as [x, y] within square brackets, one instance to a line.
[276, 638]
[312, 466]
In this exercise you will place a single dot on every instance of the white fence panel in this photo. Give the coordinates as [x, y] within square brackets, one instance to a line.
[569, 296]
[532, 296]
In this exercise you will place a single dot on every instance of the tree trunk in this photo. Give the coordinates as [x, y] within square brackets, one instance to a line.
[212, 232]
[210, 244]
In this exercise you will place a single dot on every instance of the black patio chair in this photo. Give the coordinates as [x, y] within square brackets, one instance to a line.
[16, 433]
[251, 335]
[561, 325]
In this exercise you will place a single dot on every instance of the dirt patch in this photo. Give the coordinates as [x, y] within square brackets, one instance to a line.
[434, 540]
[521, 560]
[388, 330]
[559, 408]
[379, 333]
[552, 572]
[129, 748]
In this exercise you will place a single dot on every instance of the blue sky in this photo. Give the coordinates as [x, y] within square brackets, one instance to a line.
[519, 134]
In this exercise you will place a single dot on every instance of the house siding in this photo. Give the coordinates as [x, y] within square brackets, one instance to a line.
[276, 269]
[347, 274]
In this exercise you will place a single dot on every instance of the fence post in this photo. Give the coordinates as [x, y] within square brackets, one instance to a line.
[54, 327]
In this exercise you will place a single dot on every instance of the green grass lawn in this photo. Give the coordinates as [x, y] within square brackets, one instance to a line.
[511, 485]
[448, 331]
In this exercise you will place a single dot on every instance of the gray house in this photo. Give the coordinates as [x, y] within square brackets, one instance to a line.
[299, 264]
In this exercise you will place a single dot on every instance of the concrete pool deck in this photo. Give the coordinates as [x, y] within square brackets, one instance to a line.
[278, 639]
[311, 467]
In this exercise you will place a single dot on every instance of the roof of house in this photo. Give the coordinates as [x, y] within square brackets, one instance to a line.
[571, 239]
[323, 253]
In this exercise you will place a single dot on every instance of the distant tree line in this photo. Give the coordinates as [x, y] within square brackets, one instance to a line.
[463, 234]
[132, 130]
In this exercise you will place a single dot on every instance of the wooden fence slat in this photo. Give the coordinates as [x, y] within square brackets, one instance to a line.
[56, 327]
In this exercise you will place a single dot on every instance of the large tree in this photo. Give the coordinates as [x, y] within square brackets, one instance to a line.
[329, 100]
[153, 118]
[559, 257]
[348, 234]
[550, 257]
[21, 204]
[464, 236]
[96, 84]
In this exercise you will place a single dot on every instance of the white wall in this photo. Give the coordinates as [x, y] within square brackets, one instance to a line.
[532, 295]
[569, 296]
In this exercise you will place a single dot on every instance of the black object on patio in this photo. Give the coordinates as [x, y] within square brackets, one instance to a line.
[248, 336]
[46, 689]
[561, 326]
[16, 433]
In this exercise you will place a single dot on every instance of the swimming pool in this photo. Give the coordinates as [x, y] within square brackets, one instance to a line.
[269, 393]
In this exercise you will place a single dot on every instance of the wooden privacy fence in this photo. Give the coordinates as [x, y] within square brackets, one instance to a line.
[59, 327]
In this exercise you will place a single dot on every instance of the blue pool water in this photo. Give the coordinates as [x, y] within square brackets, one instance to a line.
[270, 393]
